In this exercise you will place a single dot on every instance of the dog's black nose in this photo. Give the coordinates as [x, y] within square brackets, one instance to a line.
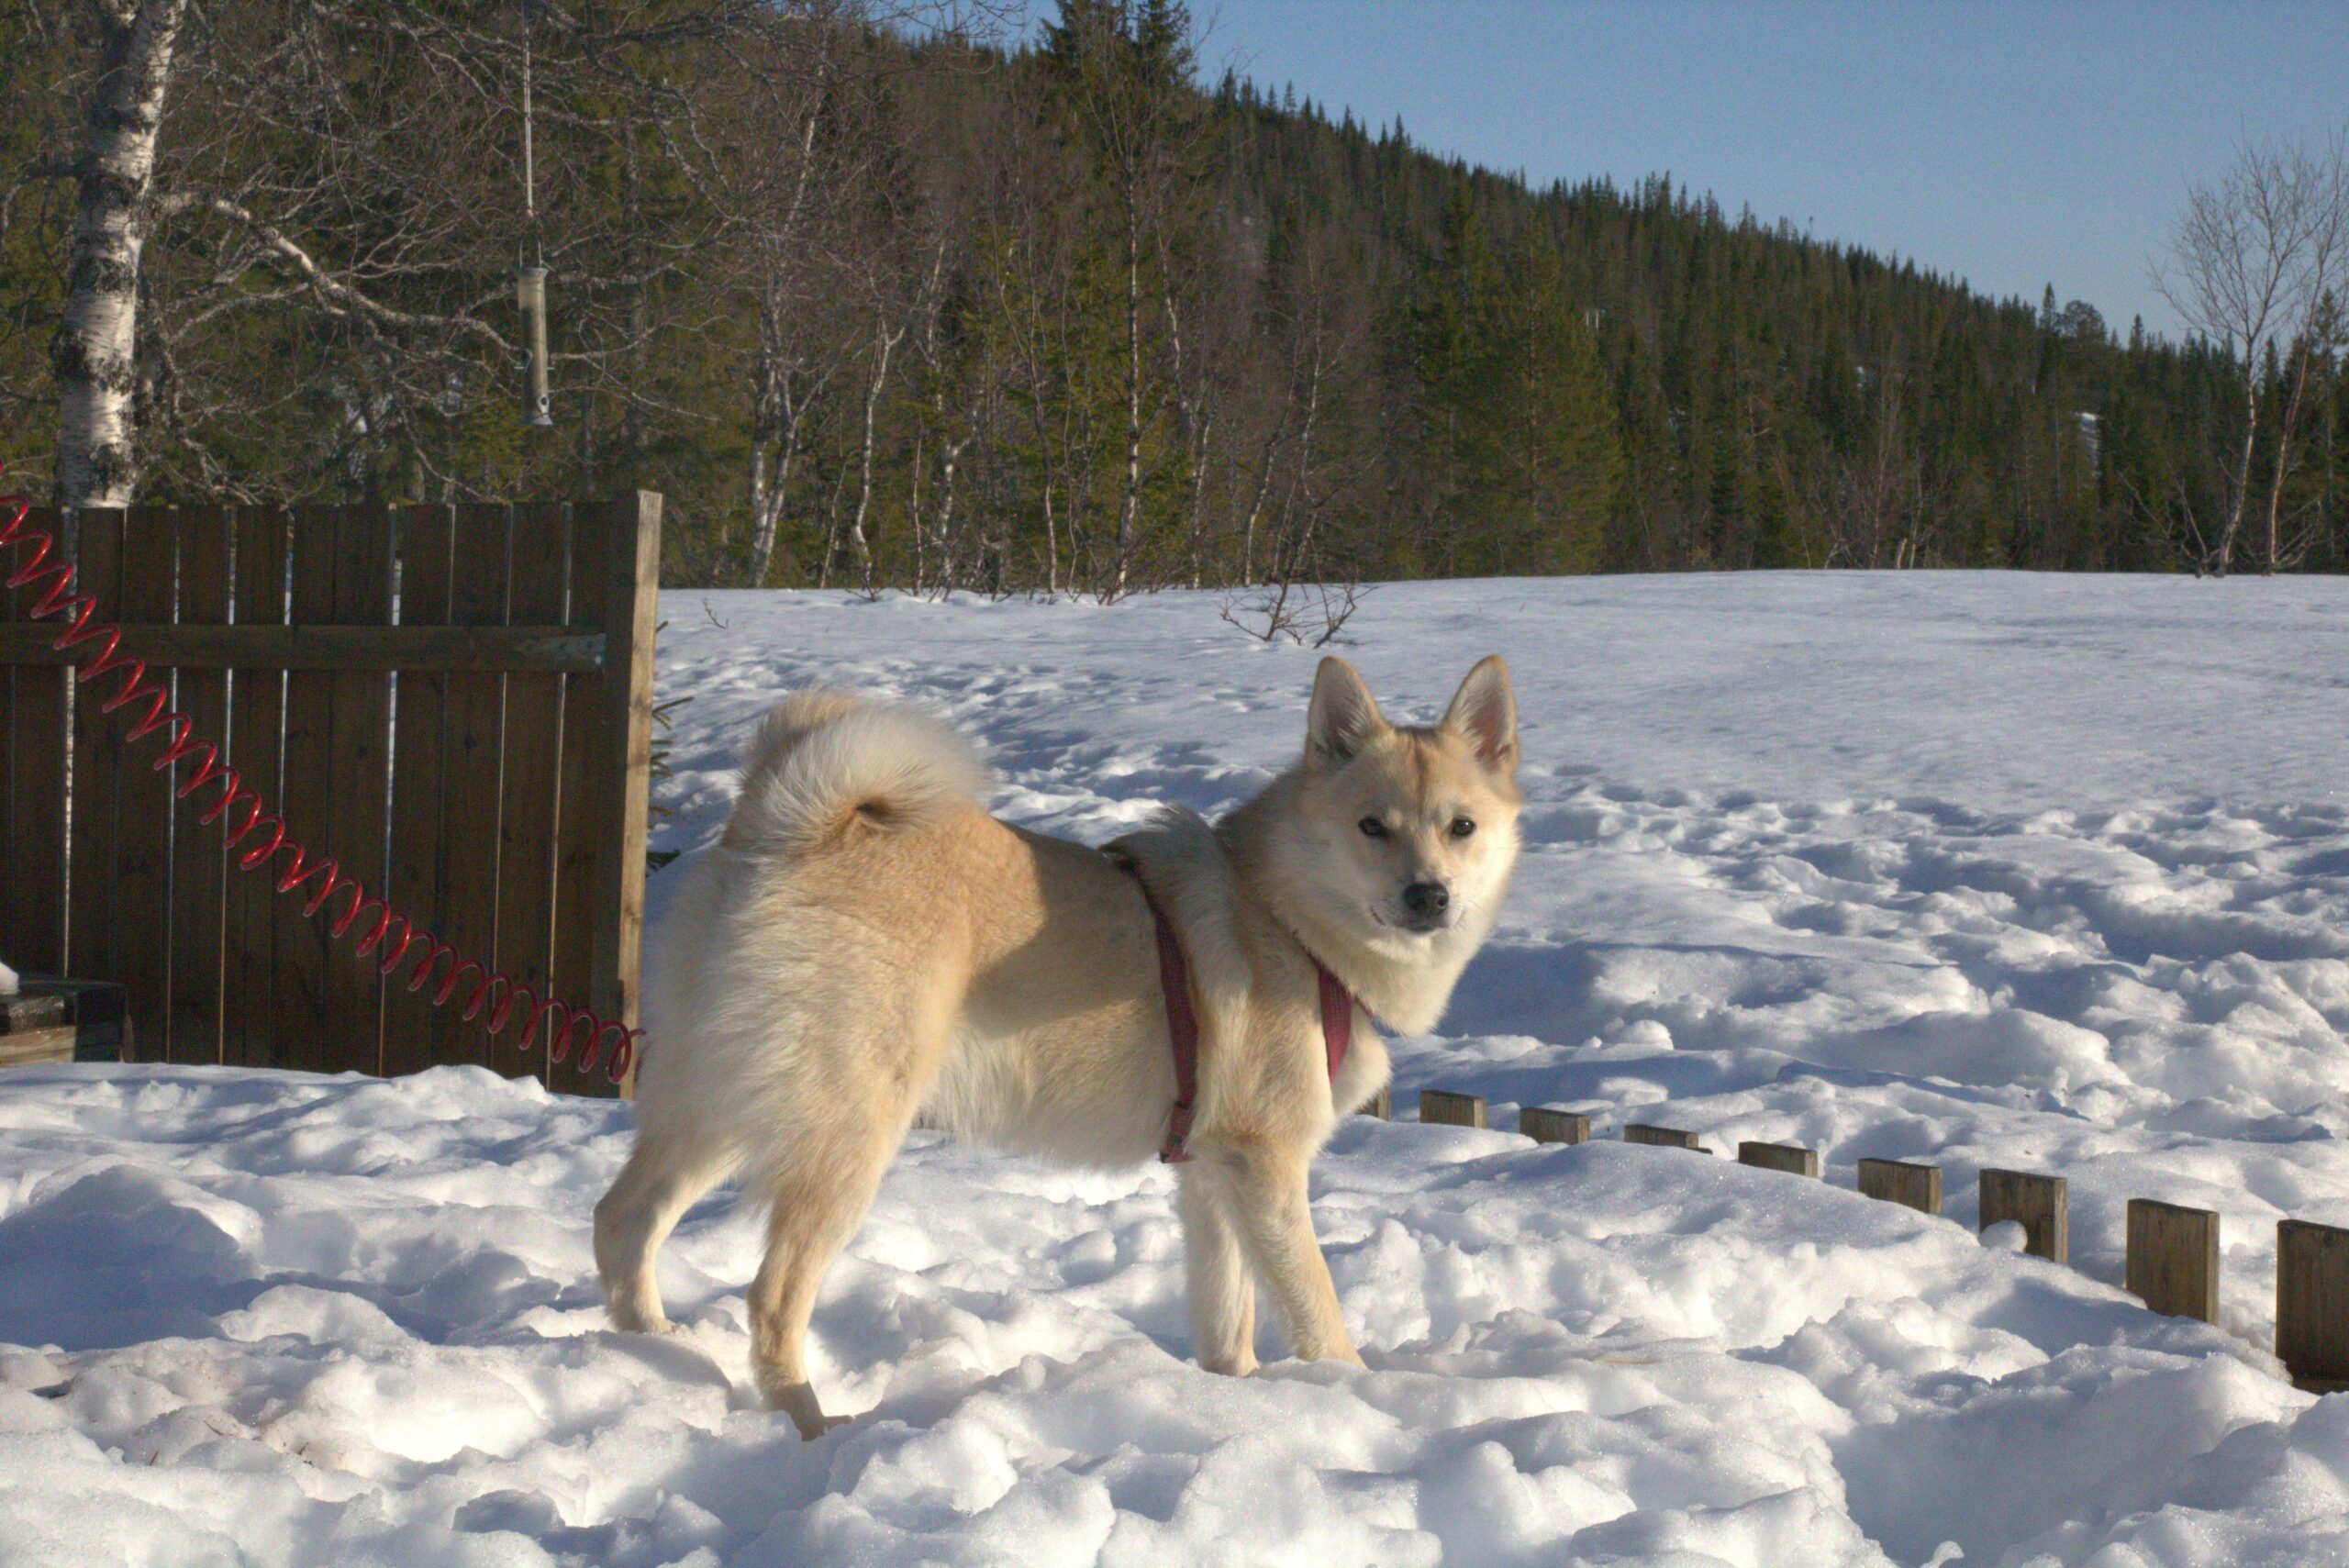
[1425, 899]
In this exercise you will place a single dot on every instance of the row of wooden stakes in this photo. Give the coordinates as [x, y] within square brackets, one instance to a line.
[2172, 1253]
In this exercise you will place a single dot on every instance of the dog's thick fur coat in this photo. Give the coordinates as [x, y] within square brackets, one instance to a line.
[866, 945]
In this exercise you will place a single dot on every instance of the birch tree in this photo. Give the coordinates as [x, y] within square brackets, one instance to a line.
[2252, 264]
[784, 277]
[97, 348]
[2316, 322]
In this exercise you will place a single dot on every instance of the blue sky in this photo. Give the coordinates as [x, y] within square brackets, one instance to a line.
[2011, 145]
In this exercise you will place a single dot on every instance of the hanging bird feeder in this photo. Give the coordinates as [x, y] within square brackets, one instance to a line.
[530, 296]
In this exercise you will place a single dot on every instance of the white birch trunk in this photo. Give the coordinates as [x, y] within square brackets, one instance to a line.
[2241, 485]
[888, 341]
[95, 347]
[1129, 504]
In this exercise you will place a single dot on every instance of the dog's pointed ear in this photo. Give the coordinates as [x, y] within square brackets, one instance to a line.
[1344, 716]
[1484, 710]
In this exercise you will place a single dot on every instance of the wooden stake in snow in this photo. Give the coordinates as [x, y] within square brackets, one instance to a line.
[1543, 1125]
[1897, 1181]
[1381, 1105]
[2312, 1304]
[1661, 1136]
[2173, 1259]
[1441, 1105]
[2039, 1204]
[1788, 1157]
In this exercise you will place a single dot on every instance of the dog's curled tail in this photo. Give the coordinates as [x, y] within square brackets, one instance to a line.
[823, 763]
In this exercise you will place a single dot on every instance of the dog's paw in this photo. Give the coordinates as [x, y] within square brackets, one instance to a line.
[797, 1400]
[634, 1317]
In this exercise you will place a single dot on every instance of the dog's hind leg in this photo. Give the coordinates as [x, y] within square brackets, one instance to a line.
[663, 1176]
[868, 1066]
[819, 1200]
[1222, 1291]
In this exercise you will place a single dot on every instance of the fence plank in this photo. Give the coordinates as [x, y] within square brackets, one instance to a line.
[533, 765]
[1899, 1180]
[2173, 1259]
[37, 821]
[2312, 1304]
[1449, 1109]
[90, 952]
[2039, 1204]
[584, 796]
[307, 787]
[413, 879]
[143, 797]
[256, 714]
[198, 862]
[632, 611]
[1790, 1158]
[352, 832]
[1661, 1136]
[35, 738]
[1543, 1125]
[472, 772]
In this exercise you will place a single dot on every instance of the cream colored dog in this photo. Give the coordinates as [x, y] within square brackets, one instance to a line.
[866, 944]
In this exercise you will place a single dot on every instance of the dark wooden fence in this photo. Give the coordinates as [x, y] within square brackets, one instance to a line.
[455, 703]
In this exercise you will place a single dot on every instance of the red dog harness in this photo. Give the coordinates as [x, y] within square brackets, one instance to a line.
[1183, 1027]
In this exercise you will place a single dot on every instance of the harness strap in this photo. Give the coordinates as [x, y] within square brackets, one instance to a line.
[1337, 1017]
[1182, 1031]
[1183, 1024]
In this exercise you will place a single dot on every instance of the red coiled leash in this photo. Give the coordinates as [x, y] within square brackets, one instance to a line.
[564, 1024]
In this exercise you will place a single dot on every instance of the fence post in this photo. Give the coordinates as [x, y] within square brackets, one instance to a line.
[1543, 1125]
[1899, 1180]
[1443, 1106]
[631, 609]
[2173, 1259]
[1381, 1104]
[2039, 1203]
[1661, 1136]
[1787, 1157]
[2312, 1304]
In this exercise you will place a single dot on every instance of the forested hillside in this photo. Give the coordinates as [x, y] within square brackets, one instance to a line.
[879, 305]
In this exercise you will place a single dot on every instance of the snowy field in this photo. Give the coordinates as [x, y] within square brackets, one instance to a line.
[2038, 872]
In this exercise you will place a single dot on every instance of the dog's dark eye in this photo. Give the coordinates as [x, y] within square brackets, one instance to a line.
[1462, 826]
[1372, 828]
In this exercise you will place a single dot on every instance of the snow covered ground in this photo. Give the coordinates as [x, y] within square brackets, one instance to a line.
[2039, 872]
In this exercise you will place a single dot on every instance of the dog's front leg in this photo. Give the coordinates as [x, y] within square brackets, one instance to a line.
[1223, 1293]
[1264, 1186]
